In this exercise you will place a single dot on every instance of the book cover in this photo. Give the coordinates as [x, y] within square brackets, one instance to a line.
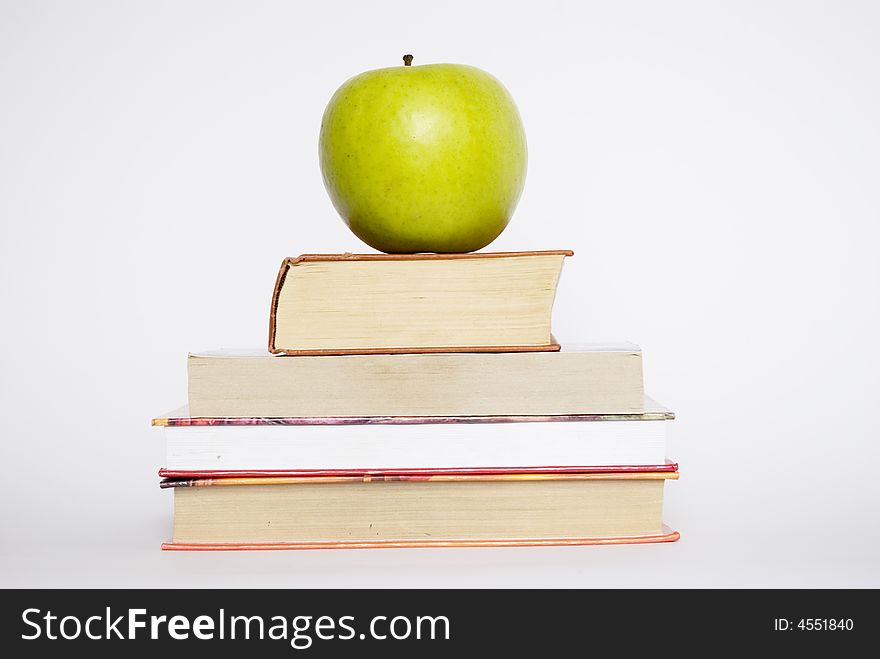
[665, 535]
[181, 418]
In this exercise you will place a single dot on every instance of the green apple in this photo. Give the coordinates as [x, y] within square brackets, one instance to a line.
[423, 158]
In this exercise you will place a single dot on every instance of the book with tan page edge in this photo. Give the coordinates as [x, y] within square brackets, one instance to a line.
[377, 301]
[661, 534]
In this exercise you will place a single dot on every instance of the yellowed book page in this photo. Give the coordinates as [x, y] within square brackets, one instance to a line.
[567, 382]
[417, 510]
[417, 303]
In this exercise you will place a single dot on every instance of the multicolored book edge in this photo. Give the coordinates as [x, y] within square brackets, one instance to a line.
[183, 478]
[665, 535]
[181, 418]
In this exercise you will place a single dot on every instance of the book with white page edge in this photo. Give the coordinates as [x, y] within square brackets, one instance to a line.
[238, 446]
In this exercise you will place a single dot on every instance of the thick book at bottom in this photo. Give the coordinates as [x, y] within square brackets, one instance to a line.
[438, 510]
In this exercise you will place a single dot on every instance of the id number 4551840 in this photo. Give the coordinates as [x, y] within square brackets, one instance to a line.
[813, 624]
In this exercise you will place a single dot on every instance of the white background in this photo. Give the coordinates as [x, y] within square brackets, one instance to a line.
[714, 166]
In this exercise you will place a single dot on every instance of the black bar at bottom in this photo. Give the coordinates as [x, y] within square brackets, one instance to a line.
[431, 622]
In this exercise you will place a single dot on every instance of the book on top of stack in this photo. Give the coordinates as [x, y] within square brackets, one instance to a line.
[416, 400]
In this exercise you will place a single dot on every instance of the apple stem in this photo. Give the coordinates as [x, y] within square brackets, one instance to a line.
[407, 60]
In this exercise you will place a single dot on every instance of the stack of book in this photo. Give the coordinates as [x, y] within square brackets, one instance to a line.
[416, 400]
